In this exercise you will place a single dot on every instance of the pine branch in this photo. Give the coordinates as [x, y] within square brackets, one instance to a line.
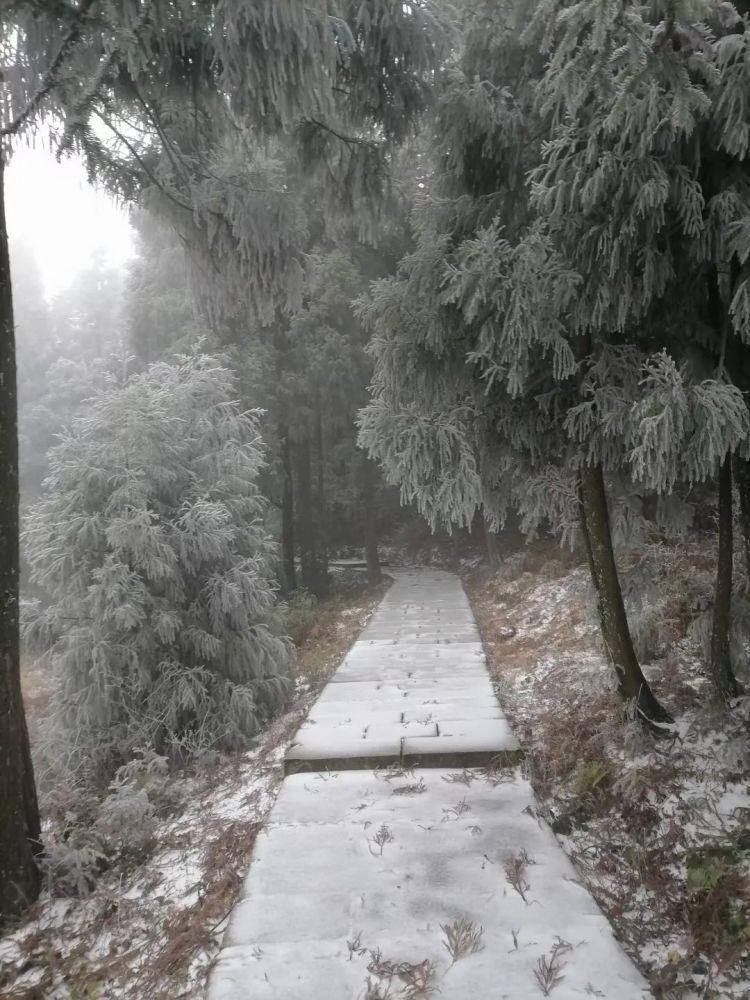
[50, 77]
[153, 115]
[141, 162]
[349, 140]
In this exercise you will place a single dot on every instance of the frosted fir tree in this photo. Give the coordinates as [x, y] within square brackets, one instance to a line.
[532, 350]
[473, 365]
[150, 542]
[643, 186]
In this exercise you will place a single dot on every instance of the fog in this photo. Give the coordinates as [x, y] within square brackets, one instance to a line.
[62, 219]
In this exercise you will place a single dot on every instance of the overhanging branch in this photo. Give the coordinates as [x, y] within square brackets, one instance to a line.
[50, 77]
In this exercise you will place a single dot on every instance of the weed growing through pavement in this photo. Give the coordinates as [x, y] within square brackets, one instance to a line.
[415, 979]
[464, 777]
[355, 946]
[418, 980]
[455, 812]
[548, 971]
[498, 771]
[463, 937]
[515, 872]
[381, 838]
[394, 771]
[415, 788]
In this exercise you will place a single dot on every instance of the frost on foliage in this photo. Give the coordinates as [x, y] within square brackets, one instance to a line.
[340, 83]
[571, 254]
[149, 541]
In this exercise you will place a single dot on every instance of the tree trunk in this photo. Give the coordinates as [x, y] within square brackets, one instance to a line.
[287, 514]
[631, 682]
[492, 543]
[725, 683]
[19, 813]
[742, 478]
[321, 533]
[721, 663]
[370, 522]
[305, 524]
[738, 362]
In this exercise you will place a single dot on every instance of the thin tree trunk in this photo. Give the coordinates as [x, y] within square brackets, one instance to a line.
[305, 525]
[287, 513]
[631, 682]
[721, 663]
[370, 519]
[321, 534]
[19, 813]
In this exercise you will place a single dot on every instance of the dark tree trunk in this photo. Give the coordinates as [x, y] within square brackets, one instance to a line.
[738, 364]
[742, 478]
[631, 682]
[730, 359]
[492, 544]
[305, 523]
[587, 544]
[19, 813]
[370, 521]
[287, 514]
[721, 663]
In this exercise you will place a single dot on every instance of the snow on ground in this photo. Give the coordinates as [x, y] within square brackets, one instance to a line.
[410, 884]
[151, 925]
[658, 831]
[152, 930]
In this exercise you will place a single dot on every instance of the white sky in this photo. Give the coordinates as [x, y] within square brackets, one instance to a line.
[62, 218]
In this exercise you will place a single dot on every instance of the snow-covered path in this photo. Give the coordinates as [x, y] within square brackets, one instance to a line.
[392, 866]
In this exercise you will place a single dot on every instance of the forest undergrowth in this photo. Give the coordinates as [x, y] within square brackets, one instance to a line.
[658, 830]
[145, 919]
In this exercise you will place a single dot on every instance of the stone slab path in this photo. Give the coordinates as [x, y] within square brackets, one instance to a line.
[414, 689]
[392, 865]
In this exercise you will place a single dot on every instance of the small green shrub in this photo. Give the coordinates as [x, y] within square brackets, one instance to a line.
[298, 615]
[592, 777]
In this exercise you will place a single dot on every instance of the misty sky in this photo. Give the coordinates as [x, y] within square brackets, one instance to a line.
[53, 209]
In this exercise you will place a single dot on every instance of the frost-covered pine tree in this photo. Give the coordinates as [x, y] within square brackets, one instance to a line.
[643, 186]
[476, 365]
[535, 348]
[150, 541]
